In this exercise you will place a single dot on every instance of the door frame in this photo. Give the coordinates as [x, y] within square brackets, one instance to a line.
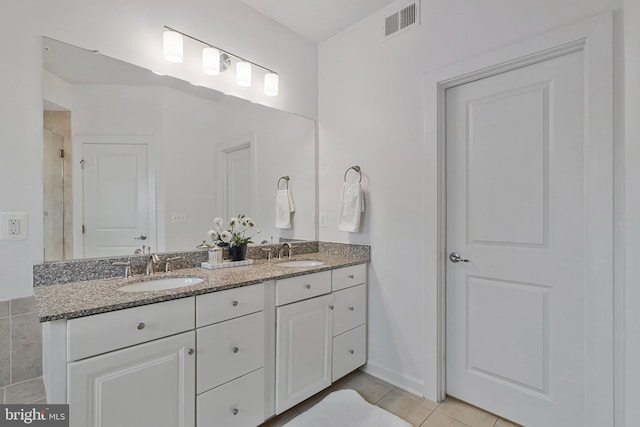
[594, 37]
[78, 144]
[234, 144]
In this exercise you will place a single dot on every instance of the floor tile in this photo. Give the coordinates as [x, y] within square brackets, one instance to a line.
[504, 423]
[23, 305]
[5, 351]
[466, 413]
[370, 388]
[26, 347]
[437, 419]
[281, 419]
[407, 406]
[26, 392]
[4, 308]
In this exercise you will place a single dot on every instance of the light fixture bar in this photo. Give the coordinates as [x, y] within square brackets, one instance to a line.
[221, 50]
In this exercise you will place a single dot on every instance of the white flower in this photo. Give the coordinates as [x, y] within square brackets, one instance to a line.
[233, 222]
[212, 234]
[225, 236]
[244, 222]
[218, 222]
[250, 223]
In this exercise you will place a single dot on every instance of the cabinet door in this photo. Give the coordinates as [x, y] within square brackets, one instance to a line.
[303, 350]
[151, 384]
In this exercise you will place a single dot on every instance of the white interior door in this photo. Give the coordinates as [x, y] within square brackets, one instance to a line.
[516, 212]
[239, 179]
[115, 199]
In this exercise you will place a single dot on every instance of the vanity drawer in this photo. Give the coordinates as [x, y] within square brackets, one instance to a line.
[229, 350]
[224, 305]
[238, 403]
[349, 308]
[346, 277]
[349, 352]
[302, 287]
[91, 335]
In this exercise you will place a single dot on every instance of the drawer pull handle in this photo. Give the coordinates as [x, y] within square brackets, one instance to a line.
[235, 349]
[235, 303]
[235, 411]
[307, 286]
[191, 351]
[331, 307]
[351, 351]
[141, 326]
[351, 276]
[351, 308]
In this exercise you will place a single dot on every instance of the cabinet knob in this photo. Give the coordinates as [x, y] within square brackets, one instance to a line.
[351, 308]
[235, 303]
[307, 286]
[351, 276]
[331, 307]
[141, 326]
[191, 351]
[235, 411]
[351, 352]
[235, 349]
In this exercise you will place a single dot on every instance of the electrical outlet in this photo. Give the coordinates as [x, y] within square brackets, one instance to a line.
[323, 219]
[178, 217]
[13, 226]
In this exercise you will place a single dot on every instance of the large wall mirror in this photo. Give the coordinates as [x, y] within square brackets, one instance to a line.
[137, 159]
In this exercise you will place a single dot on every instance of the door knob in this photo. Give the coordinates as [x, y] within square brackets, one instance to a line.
[455, 258]
[140, 237]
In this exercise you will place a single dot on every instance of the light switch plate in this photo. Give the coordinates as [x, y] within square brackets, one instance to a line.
[178, 217]
[323, 219]
[14, 226]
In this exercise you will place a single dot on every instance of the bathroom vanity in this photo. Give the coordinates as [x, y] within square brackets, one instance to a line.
[243, 345]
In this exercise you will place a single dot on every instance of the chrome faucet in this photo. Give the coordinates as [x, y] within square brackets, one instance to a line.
[167, 265]
[152, 258]
[285, 244]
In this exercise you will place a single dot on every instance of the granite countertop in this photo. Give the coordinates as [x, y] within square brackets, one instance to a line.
[78, 299]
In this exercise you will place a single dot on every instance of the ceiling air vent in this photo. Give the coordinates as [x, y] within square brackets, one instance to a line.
[402, 20]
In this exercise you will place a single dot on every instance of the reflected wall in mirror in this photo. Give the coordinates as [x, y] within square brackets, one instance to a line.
[134, 159]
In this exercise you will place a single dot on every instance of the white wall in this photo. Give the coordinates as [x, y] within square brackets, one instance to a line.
[631, 296]
[131, 31]
[371, 113]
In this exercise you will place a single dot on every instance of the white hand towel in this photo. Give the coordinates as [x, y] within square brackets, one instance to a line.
[284, 207]
[351, 207]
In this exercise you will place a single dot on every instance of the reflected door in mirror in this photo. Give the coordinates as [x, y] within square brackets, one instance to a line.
[239, 182]
[115, 198]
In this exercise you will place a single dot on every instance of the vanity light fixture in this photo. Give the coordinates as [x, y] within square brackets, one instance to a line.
[172, 44]
[243, 74]
[216, 61]
[271, 84]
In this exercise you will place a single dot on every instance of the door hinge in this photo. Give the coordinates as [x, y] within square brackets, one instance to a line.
[82, 162]
[83, 229]
[61, 153]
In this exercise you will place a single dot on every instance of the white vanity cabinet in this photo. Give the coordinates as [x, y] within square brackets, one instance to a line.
[321, 331]
[230, 374]
[121, 372]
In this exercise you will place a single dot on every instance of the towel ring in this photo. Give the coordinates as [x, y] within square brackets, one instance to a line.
[286, 180]
[355, 168]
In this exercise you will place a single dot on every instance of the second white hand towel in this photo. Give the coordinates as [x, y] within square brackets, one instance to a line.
[351, 207]
[284, 207]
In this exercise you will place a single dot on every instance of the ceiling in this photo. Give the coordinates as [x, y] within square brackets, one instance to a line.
[317, 20]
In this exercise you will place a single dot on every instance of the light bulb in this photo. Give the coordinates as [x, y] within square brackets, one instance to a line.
[243, 74]
[172, 42]
[271, 84]
[211, 61]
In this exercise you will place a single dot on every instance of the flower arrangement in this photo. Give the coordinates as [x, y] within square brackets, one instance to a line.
[236, 233]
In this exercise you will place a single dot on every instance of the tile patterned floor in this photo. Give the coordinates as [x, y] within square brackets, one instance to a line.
[30, 391]
[415, 410]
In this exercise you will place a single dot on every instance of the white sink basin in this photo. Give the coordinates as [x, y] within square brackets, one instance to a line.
[301, 263]
[161, 284]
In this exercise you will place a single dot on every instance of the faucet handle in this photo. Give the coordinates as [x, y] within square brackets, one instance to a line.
[167, 265]
[268, 251]
[127, 267]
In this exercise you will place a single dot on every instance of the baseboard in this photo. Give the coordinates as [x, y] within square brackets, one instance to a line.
[408, 383]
